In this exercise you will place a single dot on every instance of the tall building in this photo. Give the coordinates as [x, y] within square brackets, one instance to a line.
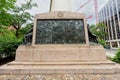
[110, 15]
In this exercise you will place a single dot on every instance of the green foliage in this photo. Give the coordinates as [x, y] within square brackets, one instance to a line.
[98, 30]
[16, 16]
[102, 42]
[109, 58]
[25, 30]
[117, 57]
[21, 15]
[8, 42]
[5, 7]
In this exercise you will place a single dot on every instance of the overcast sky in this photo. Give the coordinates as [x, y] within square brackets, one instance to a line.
[43, 6]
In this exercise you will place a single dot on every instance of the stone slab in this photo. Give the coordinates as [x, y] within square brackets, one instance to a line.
[60, 53]
[59, 69]
[60, 63]
[35, 70]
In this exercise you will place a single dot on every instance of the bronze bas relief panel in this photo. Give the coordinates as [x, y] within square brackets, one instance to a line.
[60, 31]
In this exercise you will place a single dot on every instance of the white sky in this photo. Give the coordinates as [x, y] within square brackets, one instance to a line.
[43, 6]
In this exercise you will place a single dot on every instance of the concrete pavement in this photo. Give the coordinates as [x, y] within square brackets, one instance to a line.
[111, 52]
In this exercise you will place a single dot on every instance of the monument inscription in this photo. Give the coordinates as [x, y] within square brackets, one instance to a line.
[60, 31]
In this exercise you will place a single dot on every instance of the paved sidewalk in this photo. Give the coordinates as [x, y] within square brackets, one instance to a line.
[111, 52]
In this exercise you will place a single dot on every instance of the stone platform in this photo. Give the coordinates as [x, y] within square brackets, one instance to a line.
[60, 62]
[25, 68]
[60, 71]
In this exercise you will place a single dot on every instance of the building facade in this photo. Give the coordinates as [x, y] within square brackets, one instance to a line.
[110, 15]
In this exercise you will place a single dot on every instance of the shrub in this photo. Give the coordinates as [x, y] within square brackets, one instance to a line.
[102, 42]
[117, 57]
[8, 43]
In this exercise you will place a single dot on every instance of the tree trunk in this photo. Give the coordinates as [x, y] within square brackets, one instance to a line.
[17, 30]
[17, 33]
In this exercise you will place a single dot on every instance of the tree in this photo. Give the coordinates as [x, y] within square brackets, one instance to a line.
[26, 29]
[21, 15]
[15, 15]
[8, 42]
[5, 7]
[98, 30]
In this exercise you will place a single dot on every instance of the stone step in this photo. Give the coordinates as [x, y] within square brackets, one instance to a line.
[21, 68]
[93, 69]
[60, 63]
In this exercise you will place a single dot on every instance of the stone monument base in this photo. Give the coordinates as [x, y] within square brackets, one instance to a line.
[60, 62]
[60, 53]
[102, 70]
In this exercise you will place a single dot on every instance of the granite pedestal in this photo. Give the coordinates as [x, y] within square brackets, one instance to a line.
[60, 61]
